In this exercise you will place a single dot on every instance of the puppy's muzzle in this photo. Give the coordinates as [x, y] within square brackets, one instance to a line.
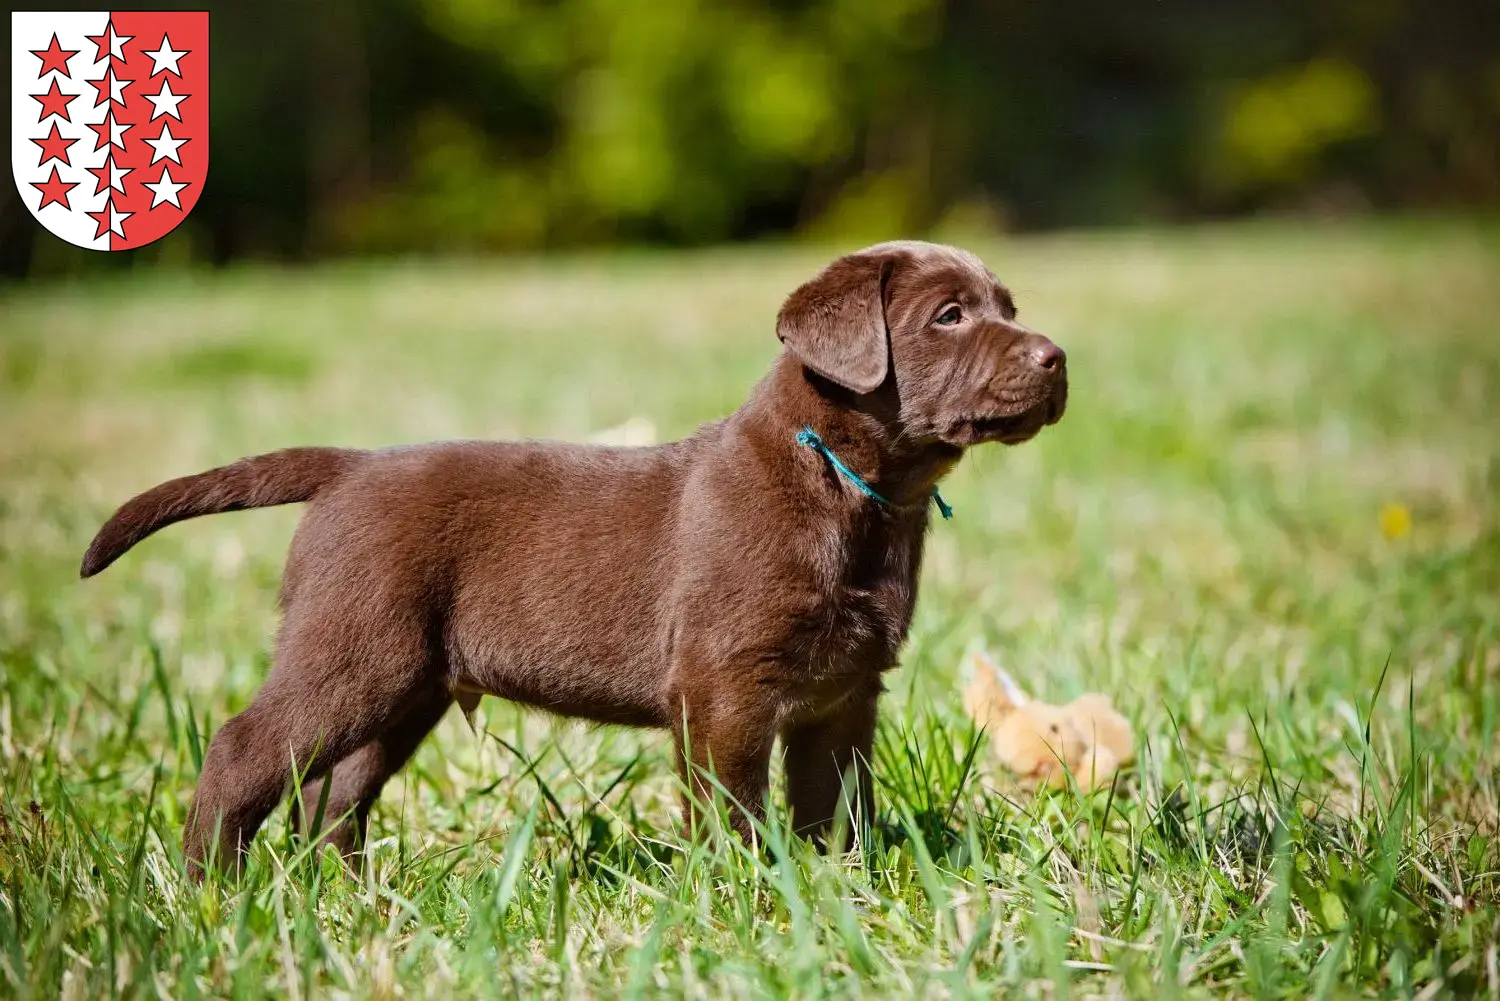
[1033, 394]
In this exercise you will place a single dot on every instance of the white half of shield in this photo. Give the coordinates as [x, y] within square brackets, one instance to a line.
[30, 31]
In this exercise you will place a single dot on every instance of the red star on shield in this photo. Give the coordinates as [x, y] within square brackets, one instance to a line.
[107, 85]
[54, 189]
[54, 147]
[109, 176]
[105, 44]
[110, 132]
[53, 57]
[109, 220]
[55, 102]
[101, 220]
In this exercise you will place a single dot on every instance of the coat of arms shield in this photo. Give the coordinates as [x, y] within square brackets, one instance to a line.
[109, 121]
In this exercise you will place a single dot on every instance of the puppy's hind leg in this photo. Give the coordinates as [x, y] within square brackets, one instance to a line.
[354, 784]
[342, 679]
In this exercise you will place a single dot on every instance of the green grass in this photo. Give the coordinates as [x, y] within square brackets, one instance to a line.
[1316, 810]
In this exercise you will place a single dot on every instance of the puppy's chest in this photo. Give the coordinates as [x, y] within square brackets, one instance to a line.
[868, 594]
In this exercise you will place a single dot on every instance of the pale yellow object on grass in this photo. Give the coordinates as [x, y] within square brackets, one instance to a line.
[1042, 743]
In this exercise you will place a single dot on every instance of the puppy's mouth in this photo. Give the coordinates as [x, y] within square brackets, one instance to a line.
[1014, 426]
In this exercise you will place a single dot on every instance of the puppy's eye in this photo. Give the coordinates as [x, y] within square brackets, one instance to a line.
[948, 317]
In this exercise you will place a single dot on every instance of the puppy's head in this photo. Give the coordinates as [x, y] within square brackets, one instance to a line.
[933, 326]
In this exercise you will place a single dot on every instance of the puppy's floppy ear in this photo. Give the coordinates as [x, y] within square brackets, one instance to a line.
[836, 323]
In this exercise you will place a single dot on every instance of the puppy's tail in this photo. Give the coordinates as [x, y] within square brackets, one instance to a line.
[290, 476]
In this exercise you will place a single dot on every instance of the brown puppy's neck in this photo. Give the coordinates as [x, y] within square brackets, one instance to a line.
[864, 431]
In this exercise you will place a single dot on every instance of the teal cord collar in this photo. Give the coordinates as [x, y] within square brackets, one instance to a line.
[809, 438]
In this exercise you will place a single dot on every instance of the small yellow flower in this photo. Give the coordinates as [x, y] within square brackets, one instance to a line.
[1395, 521]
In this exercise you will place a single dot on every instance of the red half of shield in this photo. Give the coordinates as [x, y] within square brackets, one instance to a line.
[156, 173]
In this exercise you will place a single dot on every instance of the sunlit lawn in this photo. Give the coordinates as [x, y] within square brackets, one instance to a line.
[1268, 527]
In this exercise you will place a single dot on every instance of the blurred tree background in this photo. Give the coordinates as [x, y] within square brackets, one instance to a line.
[400, 126]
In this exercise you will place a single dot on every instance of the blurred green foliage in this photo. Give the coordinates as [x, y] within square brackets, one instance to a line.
[468, 125]
[675, 120]
[1278, 127]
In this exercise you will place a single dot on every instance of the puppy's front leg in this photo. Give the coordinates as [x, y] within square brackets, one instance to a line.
[828, 768]
[725, 732]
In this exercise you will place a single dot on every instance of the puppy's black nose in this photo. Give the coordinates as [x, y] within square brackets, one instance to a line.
[1044, 354]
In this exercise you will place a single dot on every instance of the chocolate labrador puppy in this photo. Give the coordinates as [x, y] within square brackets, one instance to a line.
[753, 580]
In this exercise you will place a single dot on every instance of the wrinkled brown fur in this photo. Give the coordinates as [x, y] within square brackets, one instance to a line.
[729, 586]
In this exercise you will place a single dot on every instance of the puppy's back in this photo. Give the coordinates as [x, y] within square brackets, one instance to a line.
[542, 569]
